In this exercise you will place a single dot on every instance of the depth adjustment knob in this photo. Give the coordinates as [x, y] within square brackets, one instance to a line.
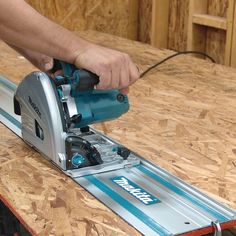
[77, 160]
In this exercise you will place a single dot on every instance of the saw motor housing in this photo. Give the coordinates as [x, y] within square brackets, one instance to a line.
[55, 111]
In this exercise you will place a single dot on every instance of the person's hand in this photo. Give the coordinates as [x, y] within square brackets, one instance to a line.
[115, 69]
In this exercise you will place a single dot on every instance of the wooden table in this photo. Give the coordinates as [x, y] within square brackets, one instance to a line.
[182, 117]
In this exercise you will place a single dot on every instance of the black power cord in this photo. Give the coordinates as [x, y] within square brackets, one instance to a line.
[174, 55]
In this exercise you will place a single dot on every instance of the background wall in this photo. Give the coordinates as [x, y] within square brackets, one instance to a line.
[163, 23]
[118, 17]
[213, 39]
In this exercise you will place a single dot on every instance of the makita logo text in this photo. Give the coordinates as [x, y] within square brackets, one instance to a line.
[133, 189]
[34, 106]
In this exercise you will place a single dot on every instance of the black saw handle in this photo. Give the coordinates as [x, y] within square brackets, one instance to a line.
[87, 79]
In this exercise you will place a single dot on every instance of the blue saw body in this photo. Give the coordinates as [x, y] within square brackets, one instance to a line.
[98, 106]
[92, 105]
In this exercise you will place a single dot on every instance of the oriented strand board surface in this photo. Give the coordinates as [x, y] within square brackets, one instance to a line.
[182, 117]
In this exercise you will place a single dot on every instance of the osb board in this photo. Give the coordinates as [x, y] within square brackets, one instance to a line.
[182, 117]
[116, 17]
[46, 201]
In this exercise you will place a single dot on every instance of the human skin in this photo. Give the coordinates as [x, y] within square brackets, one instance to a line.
[40, 40]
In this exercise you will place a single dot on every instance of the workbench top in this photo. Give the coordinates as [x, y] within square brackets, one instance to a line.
[182, 117]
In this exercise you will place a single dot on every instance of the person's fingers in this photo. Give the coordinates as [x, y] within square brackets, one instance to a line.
[58, 72]
[124, 74]
[116, 72]
[48, 66]
[104, 79]
[115, 69]
[45, 63]
[134, 73]
[55, 74]
[126, 65]
[124, 91]
[109, 71]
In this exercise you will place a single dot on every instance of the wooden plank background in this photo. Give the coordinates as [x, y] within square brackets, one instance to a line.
[215, 39]
[133, 19]
[116, 17]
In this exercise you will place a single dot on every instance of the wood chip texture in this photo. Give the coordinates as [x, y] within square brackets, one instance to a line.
[182, 118]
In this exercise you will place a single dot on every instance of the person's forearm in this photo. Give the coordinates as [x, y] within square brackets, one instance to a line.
[41, 61]
[23, 27]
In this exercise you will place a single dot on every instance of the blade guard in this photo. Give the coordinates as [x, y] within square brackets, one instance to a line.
[43, 123]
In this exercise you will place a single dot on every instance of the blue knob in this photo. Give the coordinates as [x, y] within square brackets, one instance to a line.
[77, 160]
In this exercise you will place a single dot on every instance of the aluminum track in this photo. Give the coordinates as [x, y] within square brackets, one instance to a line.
[146, 196]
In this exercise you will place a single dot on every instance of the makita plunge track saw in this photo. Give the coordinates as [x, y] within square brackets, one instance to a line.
[53, 116]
